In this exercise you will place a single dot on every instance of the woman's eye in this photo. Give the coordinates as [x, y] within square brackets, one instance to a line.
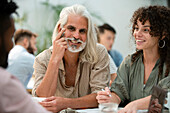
[136, 28]
[146, 30]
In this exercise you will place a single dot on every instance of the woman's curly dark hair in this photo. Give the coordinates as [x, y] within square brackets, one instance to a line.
[159, 18]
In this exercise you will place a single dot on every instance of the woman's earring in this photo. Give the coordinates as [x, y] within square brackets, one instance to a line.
[161, 43]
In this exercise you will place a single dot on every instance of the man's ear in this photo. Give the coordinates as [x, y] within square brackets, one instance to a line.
[25, 43]
[59, 28]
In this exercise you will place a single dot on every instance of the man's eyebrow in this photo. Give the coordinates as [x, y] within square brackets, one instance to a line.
[69, 26]
[84, 29]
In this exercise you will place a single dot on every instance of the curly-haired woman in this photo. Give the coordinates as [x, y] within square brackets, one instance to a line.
[149, 66]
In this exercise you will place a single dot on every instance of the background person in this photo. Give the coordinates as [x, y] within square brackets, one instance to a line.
[149, 66]
[13, 96]
[112, 65]
[21, 58]
[107, 38]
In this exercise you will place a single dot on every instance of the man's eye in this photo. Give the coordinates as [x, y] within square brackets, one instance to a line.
[71, 28]
[82, 31]
[109, 38]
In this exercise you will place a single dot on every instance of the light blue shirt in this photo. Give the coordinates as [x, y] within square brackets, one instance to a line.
[116, 56]
[20, 64]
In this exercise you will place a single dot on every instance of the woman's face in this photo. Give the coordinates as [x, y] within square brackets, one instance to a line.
[144, 41]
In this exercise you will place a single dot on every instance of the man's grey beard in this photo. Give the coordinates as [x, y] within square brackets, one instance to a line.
[30, 49]
[74, 48]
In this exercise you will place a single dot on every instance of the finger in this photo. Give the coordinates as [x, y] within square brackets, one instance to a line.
[156, 100]
[155, 110]
[153, 102]
[46, 104]
[158, 105]
[102, 93]
[49, 99]
[107, 90]
[60, 33]
[59, 40]
[106, 97]
[103, 101]
[62, 43]
[100, 97]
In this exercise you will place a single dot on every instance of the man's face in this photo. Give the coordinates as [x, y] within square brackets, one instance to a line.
[76, 32]
[7, 44]
[32, 45]
[107, 39]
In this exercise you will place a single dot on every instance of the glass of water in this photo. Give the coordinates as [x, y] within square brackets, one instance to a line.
[108, 107]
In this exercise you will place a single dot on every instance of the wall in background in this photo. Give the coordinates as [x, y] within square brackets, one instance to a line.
[115, 12]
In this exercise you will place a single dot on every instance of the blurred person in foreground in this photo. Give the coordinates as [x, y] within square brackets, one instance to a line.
[75, 68]
[21, 57]
[107, 38]
[13, 96]
[149, 66]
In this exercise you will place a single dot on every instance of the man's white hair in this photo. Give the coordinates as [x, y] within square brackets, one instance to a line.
[89, 53]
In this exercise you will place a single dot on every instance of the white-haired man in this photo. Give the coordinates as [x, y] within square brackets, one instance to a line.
[75, 68]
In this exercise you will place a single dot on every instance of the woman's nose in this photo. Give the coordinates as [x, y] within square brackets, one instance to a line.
[138, 33]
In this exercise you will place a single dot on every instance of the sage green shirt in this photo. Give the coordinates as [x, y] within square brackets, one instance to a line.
[129, 83]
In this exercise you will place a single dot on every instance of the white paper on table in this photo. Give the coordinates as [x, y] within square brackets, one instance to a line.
[30, 84]
[96, 110]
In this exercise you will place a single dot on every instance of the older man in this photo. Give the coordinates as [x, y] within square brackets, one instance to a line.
[76, 67]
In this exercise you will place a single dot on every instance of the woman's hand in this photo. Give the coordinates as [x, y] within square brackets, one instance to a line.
[59, 47]
[129, 108]
[103, 96]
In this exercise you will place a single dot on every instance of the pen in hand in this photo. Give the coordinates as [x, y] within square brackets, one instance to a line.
[109, 94]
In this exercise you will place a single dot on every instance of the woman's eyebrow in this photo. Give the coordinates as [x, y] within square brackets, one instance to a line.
[146, 26]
